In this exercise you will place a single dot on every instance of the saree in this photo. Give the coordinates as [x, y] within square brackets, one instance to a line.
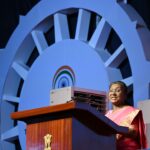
[129, 117]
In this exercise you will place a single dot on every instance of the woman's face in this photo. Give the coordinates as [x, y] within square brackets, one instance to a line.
[116, 94]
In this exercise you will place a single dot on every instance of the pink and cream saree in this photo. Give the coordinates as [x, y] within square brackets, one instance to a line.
[129, 117]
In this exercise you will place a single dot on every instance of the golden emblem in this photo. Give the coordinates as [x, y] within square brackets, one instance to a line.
[47, 141]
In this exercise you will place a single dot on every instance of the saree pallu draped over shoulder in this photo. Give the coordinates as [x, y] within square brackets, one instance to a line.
[129, 117]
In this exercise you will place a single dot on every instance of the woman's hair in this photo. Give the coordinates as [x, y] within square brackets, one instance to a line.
[123, 85]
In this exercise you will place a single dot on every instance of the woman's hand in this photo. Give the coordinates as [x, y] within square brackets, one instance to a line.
[133, 131]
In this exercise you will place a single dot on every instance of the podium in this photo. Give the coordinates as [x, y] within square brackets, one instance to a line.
[69, 126]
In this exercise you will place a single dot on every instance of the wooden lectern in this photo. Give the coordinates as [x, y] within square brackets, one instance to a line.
[69, 126]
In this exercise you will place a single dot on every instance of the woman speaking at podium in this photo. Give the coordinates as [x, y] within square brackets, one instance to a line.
[127, 116]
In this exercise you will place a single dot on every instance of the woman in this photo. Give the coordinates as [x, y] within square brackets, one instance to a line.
[128, 116]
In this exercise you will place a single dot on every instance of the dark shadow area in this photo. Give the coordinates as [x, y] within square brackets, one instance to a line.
[9, 16]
